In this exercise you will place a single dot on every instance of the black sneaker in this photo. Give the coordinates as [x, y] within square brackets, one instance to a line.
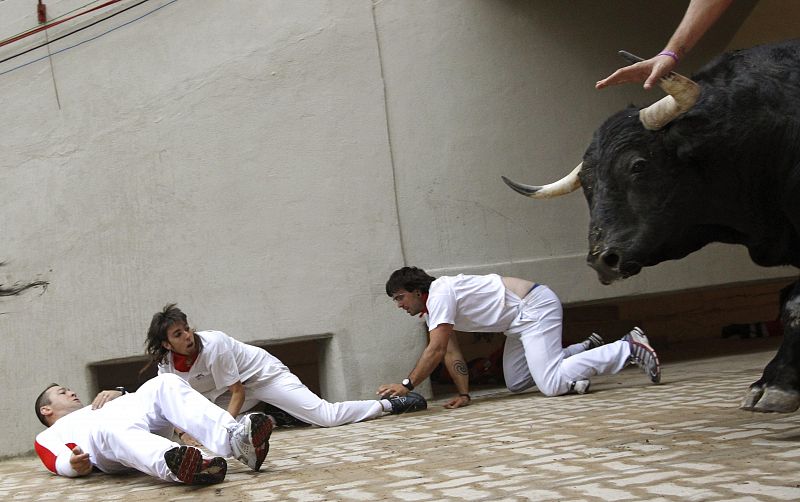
[410, 402]
[188, 464]
[593, 341]
[282, 418]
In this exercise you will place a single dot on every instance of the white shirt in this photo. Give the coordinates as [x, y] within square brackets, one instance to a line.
[472, 303]
[223, 362]
[79, 428]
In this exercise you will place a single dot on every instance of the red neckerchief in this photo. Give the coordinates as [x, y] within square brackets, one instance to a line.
[181, 362]
[425, 308]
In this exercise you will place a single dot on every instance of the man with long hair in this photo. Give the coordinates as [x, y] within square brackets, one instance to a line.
[239, 376]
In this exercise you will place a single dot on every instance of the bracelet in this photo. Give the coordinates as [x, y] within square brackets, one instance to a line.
[123, 390]
[469, 398]
[670, 54]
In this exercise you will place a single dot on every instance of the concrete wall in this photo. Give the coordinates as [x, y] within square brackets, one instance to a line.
[267, 164]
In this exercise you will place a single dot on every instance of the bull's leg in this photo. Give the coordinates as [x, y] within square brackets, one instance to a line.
[778, 389]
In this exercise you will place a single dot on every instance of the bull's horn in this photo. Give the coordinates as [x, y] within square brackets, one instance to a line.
[565, 185]
[683, 93]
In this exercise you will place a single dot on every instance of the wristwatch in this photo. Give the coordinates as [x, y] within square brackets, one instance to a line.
[407, 384]
[122, 389]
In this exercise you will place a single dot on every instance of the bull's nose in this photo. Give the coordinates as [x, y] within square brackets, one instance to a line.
[610, 259]
[606, 263]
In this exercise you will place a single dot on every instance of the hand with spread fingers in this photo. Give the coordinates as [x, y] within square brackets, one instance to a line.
[699, 17]
[650, 71]
[105, 396]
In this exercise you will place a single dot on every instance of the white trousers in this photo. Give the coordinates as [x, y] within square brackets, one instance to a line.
[534, 355]
[134, 429]
[288, 393]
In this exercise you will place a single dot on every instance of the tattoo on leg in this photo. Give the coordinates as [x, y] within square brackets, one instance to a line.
[460, 367]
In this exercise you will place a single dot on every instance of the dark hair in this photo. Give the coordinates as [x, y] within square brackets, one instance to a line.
[157, 334]
[43, 400]
[410, 279]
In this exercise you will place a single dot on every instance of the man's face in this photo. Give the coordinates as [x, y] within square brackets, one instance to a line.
[410, 301]
[62, 402]
[180, 339]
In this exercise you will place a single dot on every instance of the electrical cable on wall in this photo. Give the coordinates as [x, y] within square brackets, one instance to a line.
[81, 29]
[52, 19]
[50, 25]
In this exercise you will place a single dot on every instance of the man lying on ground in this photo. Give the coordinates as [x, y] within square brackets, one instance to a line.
[122, 431]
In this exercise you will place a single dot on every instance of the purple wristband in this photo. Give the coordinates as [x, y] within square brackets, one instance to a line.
[670, 54]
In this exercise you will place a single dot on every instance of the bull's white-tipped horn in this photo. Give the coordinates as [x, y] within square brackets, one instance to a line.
[565, 185]
[683, 93]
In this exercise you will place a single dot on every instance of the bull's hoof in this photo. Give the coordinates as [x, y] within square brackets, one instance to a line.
[754, 393]
[770, 399]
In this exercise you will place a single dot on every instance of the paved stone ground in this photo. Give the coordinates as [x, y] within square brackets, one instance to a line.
[626, 440]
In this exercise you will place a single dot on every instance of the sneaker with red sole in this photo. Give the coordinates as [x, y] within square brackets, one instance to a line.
[250, 440]
[189, 466]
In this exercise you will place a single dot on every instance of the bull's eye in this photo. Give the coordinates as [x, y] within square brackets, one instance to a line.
[638, 168]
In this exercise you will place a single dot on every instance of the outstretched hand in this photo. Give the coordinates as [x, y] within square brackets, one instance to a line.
[650, 71]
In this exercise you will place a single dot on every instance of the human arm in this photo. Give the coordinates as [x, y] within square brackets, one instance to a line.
[457, 368]
[64, 459]
[237, 398]
[699, 17]
[222, 355]
[430, 358]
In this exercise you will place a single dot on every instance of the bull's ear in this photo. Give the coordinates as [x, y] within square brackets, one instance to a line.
[683, 140]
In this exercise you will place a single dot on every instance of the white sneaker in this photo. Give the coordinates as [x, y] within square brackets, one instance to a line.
[581, 386]
[636, 335]
[250, 440]
[643, 355]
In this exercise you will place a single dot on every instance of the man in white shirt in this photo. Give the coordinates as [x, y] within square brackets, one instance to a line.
[121, 431]
[529, 314]
[238, 376]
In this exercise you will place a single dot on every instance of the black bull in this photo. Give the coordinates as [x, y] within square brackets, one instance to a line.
[727, 170]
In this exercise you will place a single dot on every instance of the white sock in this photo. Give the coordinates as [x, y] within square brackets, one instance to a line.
[387, 406]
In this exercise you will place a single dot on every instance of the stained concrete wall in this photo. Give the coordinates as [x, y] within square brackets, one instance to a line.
[267, 164]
